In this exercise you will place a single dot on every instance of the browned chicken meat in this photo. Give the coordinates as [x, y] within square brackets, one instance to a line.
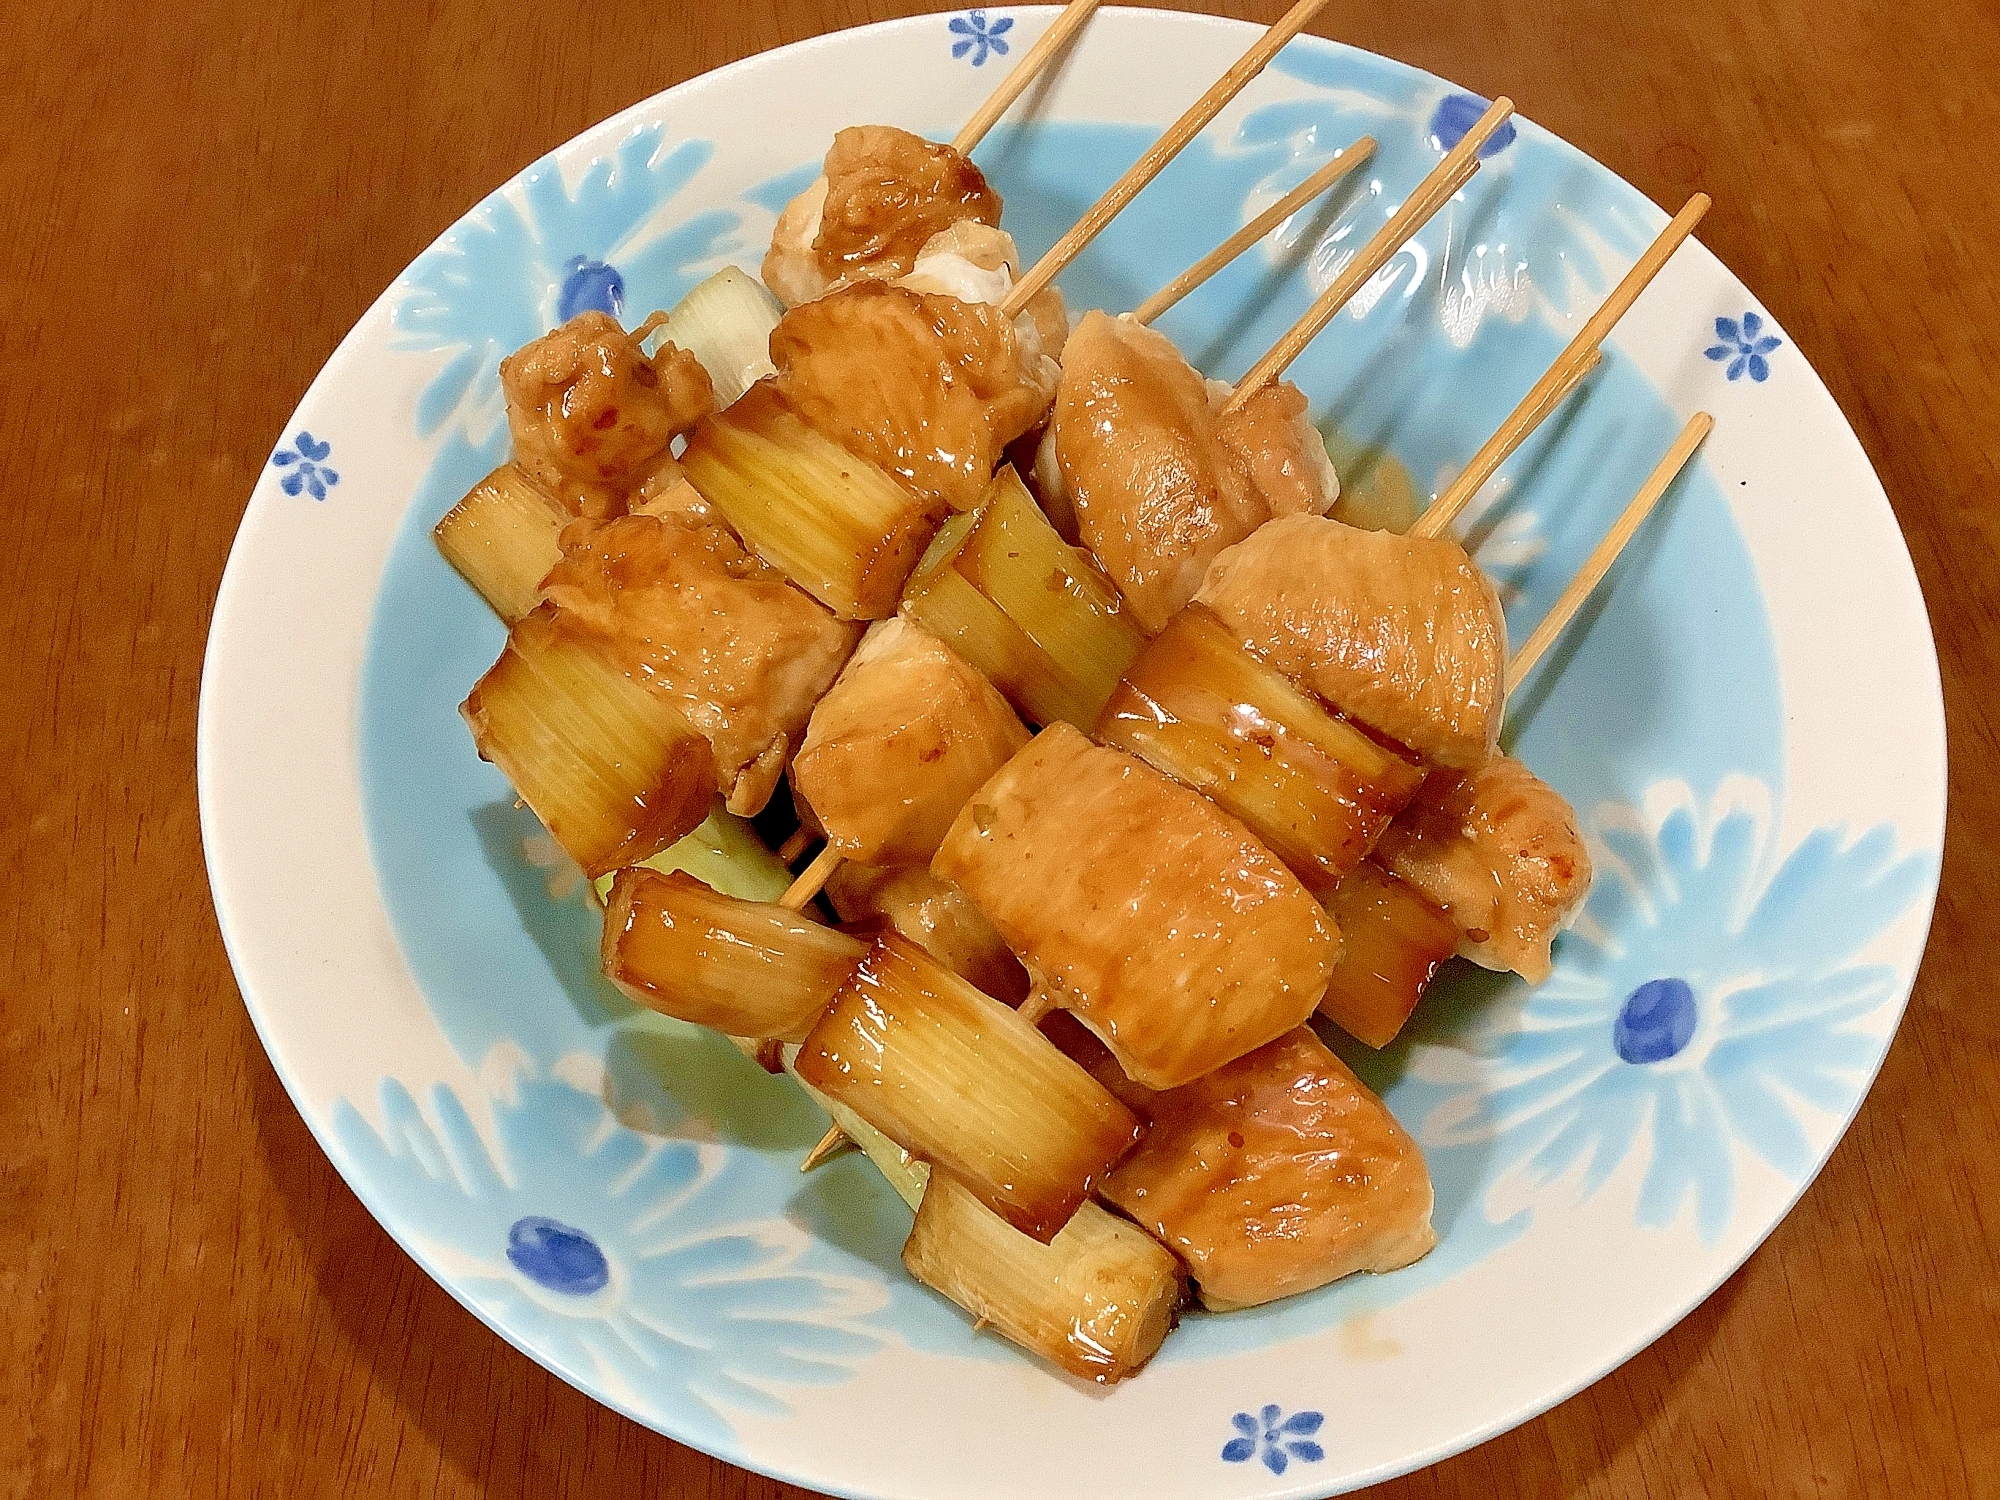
[1498, 850]
[738, 650]
[935, 915]
[928, 387]
[1141, 906]
[593, 415]
[882, 197]
[1276, 1174]
[1158, 480]
[906, 734]
[1403, 634]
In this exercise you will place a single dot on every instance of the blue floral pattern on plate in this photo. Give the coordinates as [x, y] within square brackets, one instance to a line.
[1275, 1438]
[978, 36]
[615, 1247]
[304, 466]
[1695, 1006]
[1745, 345]
[1456, 114]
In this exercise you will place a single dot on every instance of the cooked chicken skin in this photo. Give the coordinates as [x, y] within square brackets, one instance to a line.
[1155, 493]
[1280, 449]
[903, 737]
[1403, 634]
[928, 387]
[1498, 850]
[738, 650]
[1141, 906]
[1276, 1174]
[883, 195]
[935, 915]
[593, 415]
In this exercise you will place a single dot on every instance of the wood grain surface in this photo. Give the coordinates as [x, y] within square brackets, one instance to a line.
[197, 201]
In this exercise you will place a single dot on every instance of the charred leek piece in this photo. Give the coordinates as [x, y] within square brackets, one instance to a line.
[746, 968]
[839, 527]
[1026, 608]
[726, 323]
[725, 854]
[503, 539]
[958, 1079]
[1097, 1300]
[1315, 789]
[1395, 942]
[613, 771]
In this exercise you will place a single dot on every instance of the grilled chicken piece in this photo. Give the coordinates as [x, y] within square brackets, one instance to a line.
[883, 195]
[1280, 449]
[1498, 850]
[1401, 633]
[904, 736]
[593, 415]
[975, 262]
[1155, 493]
[1141, 906]
[935, 915]
[1276, 1174]
[930, 388]
[738, 650]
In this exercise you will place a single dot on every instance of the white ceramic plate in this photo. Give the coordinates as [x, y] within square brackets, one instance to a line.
[1748, 721]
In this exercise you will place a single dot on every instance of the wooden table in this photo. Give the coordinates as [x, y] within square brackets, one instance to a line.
[197, 203]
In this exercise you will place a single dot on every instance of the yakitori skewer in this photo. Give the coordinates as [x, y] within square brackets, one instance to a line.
[1156, 156]
[1451, 174]
[1022, 74]
[1343, 162]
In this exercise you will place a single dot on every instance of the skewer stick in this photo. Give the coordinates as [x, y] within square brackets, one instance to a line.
[793, 847]
[1024, 72]
[1436, 190]
[833, 1143]
[1606, 552]
[1342, 164]
[1573, 364]
[1157, 155]
[812, 879]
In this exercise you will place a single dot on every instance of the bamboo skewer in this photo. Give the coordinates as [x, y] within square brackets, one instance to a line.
[1023, 73]
[1342, 164]
[1432, 194]
[1570, 367]
[812, 879]
[1157, 155]
[1606, 552]
[793, 847]
[834, 1143]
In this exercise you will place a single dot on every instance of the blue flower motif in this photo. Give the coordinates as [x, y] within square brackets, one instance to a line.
[617, 1256]
[1693, 1008]
[1458, 113]
[536, 253]
[977, 36]
[305, 467]
[1274, 1437]
[1744, 345]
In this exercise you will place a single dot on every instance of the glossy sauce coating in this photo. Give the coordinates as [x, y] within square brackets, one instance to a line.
[1498, 850]
[1276, 1174]
[722, 635]
[1155, 494]
[935, 915]
[928, 387]
[1400, 633]
[904, 736]
[592, 415]
[1396, 941]
[1281, 451]
[1155, 917]
[884, 193]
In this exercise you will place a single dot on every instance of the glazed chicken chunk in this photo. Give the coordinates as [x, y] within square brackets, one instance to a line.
[593, 415]
[904, 736]
[1139, 905]
[935, 915]
[1158, 481]
[1403, 634]
[724, 637]
[1276, 1174]
[926, 386]
[1498, 850]
[883, 195]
